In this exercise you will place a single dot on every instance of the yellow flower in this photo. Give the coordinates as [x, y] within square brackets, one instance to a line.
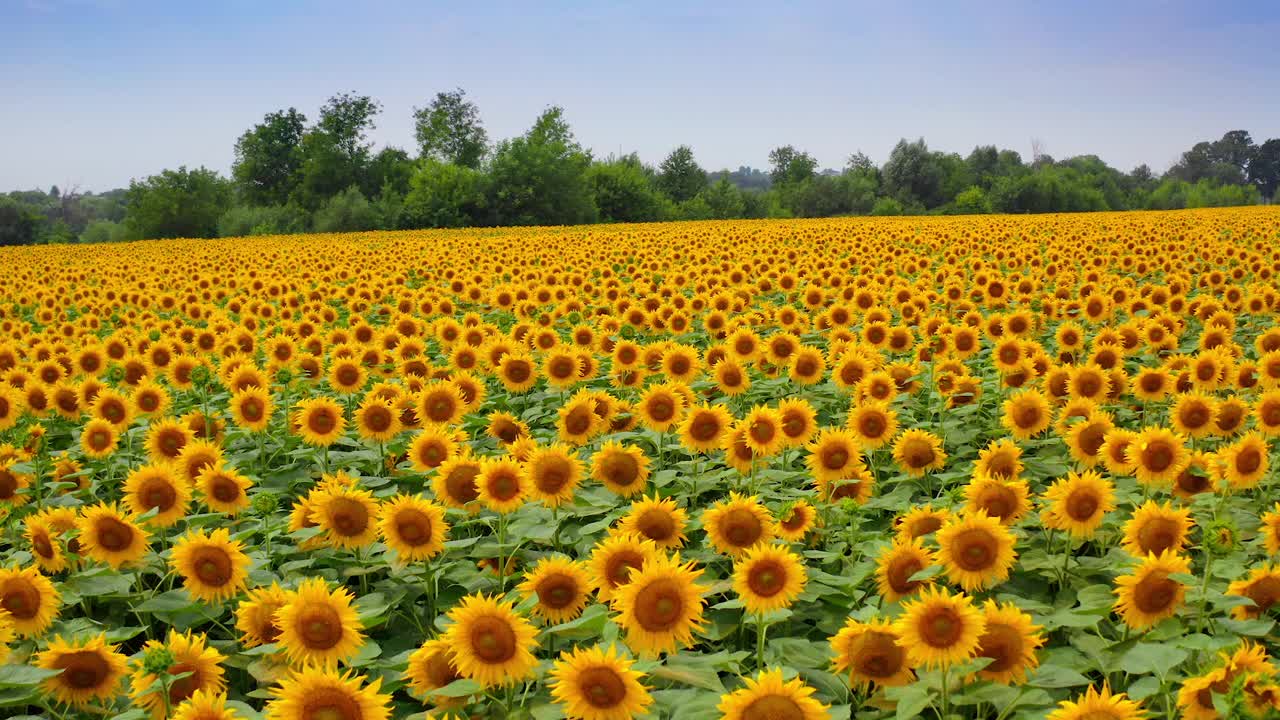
[596, 684]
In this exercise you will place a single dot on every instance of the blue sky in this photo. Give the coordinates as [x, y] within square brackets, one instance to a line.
[101, 91]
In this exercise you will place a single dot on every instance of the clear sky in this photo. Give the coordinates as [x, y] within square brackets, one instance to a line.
[97, 92]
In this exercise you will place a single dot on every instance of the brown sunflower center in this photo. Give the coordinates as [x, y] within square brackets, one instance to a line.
[377, 418]
[42, 545]
[618, 568]
[767, 578]
[705, 427]
[1157, 456]
[1003, 644]
[20, 598]
[330, 704]
[1248, 460]
[518, 371]
[918, 454]
[878, 655]
[661, 408]
[557, 591]
[1264, 592]
[999, 501]
[1082, 504]
[461, 484]
[348, 517]
[321, 421]
[224, 489]
[974, 550]
[552, 474]
[158, 493]
[113, 535]
[212, 566]
[620, 468]
[941, 627]
[602, 687]
[741, 527]
[1155, 593]
[184, 688]
[773, 707]
[413, 527]
[835, 456]
[83, 670]
[1157, 535]
[657, 525]
[1027, 416]
[503, 485]
[578, 420]
[899, 573]
[492, 640]
[872, 425]
[659, 605]
[320, 627]
[439, 670]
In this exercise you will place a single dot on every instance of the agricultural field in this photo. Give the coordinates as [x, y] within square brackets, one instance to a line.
[979, 467]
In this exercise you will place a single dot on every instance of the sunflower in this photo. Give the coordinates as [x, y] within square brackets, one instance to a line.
[660, 520]
[976, 551]
[596, 684]
[1026, 414]
[414, 528]
[90, 670]
[432, 667]
[939, 629]
[491, 643]
[114, 408]
[502, 485]
[1000, 460]
[431, 447]
[1195, 697]
[196, 456]
[166, 438]
[517, 372]
[737, 524]
[346, 514]
[1262, 586]
[224, 490]
[768, 577]
[205, 705]
[251, 408]
[921, 521]
[1194, 414]
[660, 407]
[320, 421]
[1157, 528]
[918, 451]
[763, 428]
[1244, 462]
[98, 438]
[317, 626]
[561, 586]
[191, 657]
[1149, 595]
[1115, 451]
[769, 696]
[1006, 500]
[30, 599]
[347, 376]
[705, 427]
[455, 482]
[731, 377]
[895, 566]
[870, 653]
[795, 521]
[1086, 437]
[1158, 455]
[872, 423]
[1270, 530]
[834, 455]
[615, 559]
[256, 615]
[322, 693]
[377, 419]
[45, 548]
[109, 536]
[1152, 384]
[1010, 640]
[1266, 412]
[213, 566]
[1078, 503]
[1094, 705]
[623, 469]
[660, 605]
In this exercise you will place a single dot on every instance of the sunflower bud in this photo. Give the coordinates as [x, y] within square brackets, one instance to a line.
[157, 661]
[1221, 537]
[265, 503]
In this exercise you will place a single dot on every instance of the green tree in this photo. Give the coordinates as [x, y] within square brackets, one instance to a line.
[336, 152]
[540, 178]
[389, 171]
[680, 176]
[973, 201]
[443, 195]
[18, 223]
[348, 211]
[724, 200]
[268, 158]
[623, 191]
[449, 130]
[1264, 168]
[913, 175]
[791, 165]
[177, 203]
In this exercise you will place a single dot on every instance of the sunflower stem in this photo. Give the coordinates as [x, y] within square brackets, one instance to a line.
[761, 626]
[1202, 617]
[502, 542]
[946, 693]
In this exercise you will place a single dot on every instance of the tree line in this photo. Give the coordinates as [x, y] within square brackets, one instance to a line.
[293, 175]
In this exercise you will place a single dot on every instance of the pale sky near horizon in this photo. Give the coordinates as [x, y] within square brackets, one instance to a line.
[101, 91]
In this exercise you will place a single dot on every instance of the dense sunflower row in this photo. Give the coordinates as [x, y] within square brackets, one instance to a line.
[1000, 467]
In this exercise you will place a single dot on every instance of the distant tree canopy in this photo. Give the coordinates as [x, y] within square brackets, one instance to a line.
[291, 175]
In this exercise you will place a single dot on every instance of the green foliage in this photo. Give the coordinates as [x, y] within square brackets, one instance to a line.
[680, 176]
[243, 220]
[104, 231]
[18, 223]
[1178, 194]
[269, 157]
[540, 178]
[348, 211]
[449, 130]
[888, 206]
[914, 176]
[443, 195]
[791, 166]
[177, 203]
[623, 191]
[724, 200]
[336, 152]
[973, 201]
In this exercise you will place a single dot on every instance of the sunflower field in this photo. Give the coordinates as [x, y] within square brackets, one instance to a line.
[968, 467]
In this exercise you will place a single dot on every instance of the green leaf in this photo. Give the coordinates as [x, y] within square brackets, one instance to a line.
[459, 688]
[18, 675]
[1152, 658]
[172, 601]
[1056, 676]
[925, 574]
[1143, 688]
